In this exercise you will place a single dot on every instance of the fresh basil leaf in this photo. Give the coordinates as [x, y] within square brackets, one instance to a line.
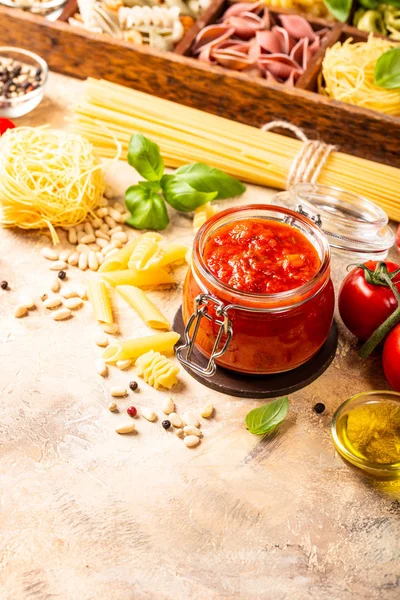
[148, 210]
[339, 8]
[387, 70]
[150, 185]
[145, 157]
[182, 196]
[204, 178]
[264, 419]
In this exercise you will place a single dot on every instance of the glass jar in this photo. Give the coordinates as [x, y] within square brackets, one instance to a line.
[257, 333]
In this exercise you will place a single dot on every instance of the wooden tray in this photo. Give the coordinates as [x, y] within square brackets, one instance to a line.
[179, 77]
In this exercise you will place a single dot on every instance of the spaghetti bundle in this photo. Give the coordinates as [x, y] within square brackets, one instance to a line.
[111, 113]
[348, 75]
[47, 179]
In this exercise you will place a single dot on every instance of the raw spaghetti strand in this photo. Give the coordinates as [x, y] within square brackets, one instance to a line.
[47, 179]
[187, 135]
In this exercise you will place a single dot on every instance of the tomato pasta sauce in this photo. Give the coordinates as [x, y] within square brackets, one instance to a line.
[274, 270]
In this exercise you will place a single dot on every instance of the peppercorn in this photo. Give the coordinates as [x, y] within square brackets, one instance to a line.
[319, 408]
[166, 424]
[62, 275]
[132, 412]
[133, 385]
[4, 285]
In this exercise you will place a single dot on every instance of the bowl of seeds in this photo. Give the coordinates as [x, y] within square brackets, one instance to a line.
[23, 76]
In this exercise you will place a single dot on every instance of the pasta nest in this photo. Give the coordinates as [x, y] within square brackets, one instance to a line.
[157, 370]
[47, 179]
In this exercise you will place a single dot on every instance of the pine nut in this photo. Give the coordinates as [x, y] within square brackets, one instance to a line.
[114, 214]
[101, 340]
[69, 291]
[73, 259]
[111, 328]
[88, 239]
[65, 254]
[190, 419]
[100, 257]
[110, 221]
[73, 303]
[93, 262]
[118, 206]
[118, 392]
[58, 265]
[82, 248]
[125, 216]
[53, 302]
[88, 228]
[29, 303]
[83, 262]
[101, 367]
[81, 234]
[49, 253]
[100, 235]
[168, 406]
[111, 253]
[103, 201]
[180, 433]
[102, 212]
[207, 410]
[97, 223]
[44, 296]
[126, 427]
[116, 229]
[79, 227]
[103, 243]
[123, 365]
[120, 236]
[191, 430]
[62, 314]
[81, 291]
[94, 247]
[191, 440]
[72, 236]
[112, 407]
[20, 311]
[175, 420]
[104, 228]
[117, 243]
[56, 285]
[148, 414]
[108, 248]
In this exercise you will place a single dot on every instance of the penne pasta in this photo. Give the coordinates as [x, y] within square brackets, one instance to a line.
[135, 347]
[173, 253]
[119, 260]
[144, 307]
[148, 278]
[146, 252]
[100, 300]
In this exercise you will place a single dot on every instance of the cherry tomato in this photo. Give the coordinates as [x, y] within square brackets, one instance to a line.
[5, 124]
[391, 358]
[364, 306]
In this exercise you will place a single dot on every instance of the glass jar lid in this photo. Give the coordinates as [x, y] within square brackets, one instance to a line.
[353, 225]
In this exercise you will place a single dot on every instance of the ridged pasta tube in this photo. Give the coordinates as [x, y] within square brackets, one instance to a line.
[157, 370]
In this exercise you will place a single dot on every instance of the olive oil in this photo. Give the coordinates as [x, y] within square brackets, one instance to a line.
[371, 432]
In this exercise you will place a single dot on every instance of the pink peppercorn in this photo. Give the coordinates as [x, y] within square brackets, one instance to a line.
[132, 412]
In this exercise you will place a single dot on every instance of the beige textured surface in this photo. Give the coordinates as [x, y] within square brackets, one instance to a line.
[86, 514]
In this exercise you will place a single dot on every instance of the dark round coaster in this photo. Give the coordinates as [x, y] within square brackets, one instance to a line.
[262, 386]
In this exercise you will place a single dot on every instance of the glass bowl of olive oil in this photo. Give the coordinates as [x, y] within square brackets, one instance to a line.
[366, 433]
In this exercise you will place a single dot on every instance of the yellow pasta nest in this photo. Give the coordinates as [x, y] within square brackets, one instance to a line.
[348, 75]
[47, 179]
[157, 370]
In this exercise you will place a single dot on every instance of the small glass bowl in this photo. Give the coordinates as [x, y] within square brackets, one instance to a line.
[35, 6]
[12, 108]
[374, 470]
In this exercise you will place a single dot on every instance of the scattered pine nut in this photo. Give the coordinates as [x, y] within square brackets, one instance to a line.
[62, 314]
[125, 216]
[114, 214]
[94, 247]
[65, 254]
[44, 296]
[29, 303]
[126, 427]
[92, 261]
[120, 236]
[81, 234]
[20, 311]
[112, 407]
[102, 212]
[190, 419]
[108, 248]
[73, 259]
[104, 228]
[110, 221]
[88, 228]
[73, 303]
[69, 291]
[116, 229]
[100, 257]
[103, 242]
[175, 420]
[118, 392]
[79, 227]
[101, 367]
[111, 328]
[49, 253]
[192, 430]
[83, 249]
[180, 433]
[59, 265]
[103, 201]
[97, 223]
[56, 285]
[148, 414]
[88, 239]
[83, 262]
[191, 440]
[53, 302]
[101, 340]
[123, 365]
[81, 291]
[168, 406]
[118, 206]
[100, 235]
[207, 410]
[72, 236]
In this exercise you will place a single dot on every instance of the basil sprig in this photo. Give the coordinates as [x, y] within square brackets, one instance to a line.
[264, 419]
[187, 188]
[387, 70]
[341, 8]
